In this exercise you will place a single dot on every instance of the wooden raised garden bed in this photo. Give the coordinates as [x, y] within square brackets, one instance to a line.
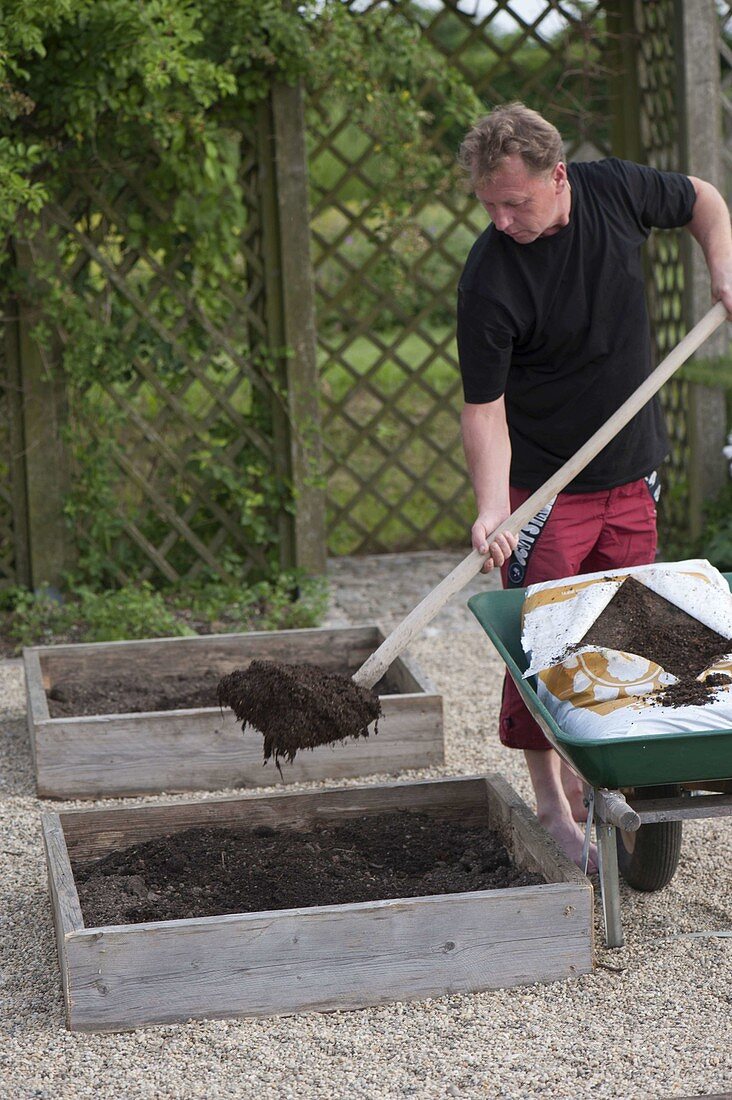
[203, 748]
[324, 957]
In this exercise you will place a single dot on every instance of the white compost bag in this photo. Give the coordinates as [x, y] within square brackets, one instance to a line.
[595, 692]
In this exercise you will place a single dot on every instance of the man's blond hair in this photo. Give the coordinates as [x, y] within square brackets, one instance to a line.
[506, 131]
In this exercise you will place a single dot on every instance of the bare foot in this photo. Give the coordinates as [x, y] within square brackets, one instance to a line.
[570, 838]
[553, 806]
[574, 790]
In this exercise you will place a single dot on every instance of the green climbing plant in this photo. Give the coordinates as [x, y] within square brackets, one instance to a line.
[166, 93]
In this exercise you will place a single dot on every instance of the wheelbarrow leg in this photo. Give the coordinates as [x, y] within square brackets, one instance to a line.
[609, 883]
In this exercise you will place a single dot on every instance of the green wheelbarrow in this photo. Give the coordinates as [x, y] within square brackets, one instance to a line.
[641, 787]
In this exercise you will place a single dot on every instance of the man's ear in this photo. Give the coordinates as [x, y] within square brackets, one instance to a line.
[560, 176]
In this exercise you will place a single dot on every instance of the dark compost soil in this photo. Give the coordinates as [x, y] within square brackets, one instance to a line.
[640, 621]
[207, 872]
[298, 706]
[129, 694]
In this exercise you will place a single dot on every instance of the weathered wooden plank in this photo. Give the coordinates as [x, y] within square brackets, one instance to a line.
[336, 957]
[313, 644]
[342, 649]
[532, 847]
[683, 808]
[535, 849]
[502, 798]
[61, 879]
[206, 750]
[65, 908]
[37, 703]
[94, 832]
[35, 690]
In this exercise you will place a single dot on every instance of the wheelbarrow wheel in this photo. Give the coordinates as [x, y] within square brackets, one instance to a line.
[648, 858]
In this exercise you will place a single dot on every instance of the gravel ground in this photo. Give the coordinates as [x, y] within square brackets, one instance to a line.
[654, 1019]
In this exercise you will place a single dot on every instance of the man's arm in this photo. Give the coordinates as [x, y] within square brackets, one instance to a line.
[488, 454]
[710, 226]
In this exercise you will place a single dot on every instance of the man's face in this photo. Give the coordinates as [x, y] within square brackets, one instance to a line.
[523, 205]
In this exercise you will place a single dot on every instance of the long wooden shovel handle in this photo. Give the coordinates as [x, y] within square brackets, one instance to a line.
[376, 665]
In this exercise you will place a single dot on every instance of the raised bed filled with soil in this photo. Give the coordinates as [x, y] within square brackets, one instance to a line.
[125, 718]
[321, 900]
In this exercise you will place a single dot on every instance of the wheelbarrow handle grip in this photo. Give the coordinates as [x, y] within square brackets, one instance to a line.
[612, 808]
[376, 665]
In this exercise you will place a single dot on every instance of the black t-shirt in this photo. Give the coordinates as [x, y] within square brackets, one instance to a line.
[561, 326]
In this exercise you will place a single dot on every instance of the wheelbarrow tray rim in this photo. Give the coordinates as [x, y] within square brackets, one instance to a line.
[632, 760]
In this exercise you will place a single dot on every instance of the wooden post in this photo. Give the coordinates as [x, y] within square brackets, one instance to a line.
[624, 89]
[17, 492]
[42, 460]
[291, 322]
[697, 48]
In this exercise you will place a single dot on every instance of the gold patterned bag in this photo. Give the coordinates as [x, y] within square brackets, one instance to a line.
[598, 692]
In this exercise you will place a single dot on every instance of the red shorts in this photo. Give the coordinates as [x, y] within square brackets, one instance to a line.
[577, 533]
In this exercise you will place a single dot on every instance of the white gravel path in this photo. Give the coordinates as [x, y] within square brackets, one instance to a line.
[653, 1020]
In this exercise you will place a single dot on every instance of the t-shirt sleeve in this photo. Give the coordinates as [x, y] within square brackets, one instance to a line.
[485, 340]
[661, 200]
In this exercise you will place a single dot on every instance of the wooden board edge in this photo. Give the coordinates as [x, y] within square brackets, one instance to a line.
[431, 755]
[64, 899]
[415, 672]
[209, 809]
[558, 918]
[362, 630]
[501, 799]
[95, 934]
[533, 840]
[529, 836]
[403, 699]
[60, 875]
[410, 737]
[35, 692]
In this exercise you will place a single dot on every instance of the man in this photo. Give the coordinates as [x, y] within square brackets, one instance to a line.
[553, 335]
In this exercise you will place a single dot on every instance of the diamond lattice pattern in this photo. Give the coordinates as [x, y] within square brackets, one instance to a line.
[387, 271]
[178, 424]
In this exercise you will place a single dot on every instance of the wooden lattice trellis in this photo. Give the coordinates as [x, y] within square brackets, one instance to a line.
[385, 286]
[184, 391]
[178, 417]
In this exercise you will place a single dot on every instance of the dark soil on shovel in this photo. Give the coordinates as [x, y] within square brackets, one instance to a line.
[640, 621]
[207, 872]
[298, 706]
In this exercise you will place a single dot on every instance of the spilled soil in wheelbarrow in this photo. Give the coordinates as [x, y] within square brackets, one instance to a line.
[207, 872]
[638, 620]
